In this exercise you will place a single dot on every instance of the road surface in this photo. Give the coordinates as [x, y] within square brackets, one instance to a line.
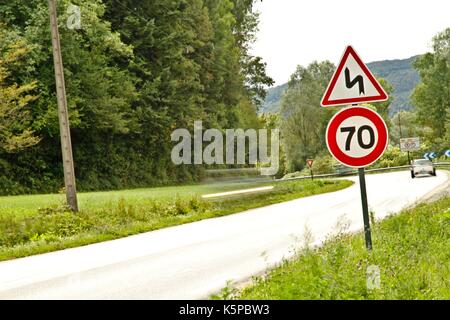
[195, 260]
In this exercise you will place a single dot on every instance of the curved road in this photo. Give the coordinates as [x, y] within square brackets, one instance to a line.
[195, 260]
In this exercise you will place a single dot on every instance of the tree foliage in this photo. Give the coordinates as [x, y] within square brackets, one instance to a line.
[15, 132]
[432, 96]
[135, 71]
[304, 121]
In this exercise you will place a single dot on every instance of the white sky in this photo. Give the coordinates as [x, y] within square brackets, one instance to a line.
[294, 32]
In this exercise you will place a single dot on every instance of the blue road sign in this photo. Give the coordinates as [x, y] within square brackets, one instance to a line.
[430, 155]
[447, 153]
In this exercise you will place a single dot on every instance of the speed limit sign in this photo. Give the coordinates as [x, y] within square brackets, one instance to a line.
[357, 137]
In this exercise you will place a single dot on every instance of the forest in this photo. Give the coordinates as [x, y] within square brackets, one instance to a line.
[134, 71]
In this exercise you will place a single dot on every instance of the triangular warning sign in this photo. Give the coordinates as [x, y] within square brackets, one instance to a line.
[352, 83]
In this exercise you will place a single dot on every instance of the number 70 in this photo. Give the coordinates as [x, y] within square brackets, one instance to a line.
[351, 133]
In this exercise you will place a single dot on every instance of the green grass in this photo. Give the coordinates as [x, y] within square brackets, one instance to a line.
[412, 251]
[27, 205]
[37, 224]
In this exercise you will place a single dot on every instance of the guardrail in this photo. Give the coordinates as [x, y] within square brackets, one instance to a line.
[338, 175]
[443, 164]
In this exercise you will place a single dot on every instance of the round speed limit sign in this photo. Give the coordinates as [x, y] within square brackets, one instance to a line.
[357, 136]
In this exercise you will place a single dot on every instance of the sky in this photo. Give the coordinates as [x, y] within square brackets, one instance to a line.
[293, 32]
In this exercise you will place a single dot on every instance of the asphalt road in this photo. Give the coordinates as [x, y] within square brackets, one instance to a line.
[195, 260]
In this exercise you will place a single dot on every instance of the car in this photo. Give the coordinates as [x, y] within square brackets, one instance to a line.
[422, 166]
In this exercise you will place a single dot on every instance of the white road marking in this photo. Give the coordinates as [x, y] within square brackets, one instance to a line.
[237, 192]
[195, 260]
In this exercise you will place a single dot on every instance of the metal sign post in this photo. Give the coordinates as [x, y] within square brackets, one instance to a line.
[358, 137]
[401, 137]
[66, 144]
[365, 207]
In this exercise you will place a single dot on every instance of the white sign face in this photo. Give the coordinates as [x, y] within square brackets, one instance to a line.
[356, 136]
[410, 144]
[352, 83]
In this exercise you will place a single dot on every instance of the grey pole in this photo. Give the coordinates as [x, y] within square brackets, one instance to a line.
[66, 144]
[401, 135]
[400, 125]
[365, 207]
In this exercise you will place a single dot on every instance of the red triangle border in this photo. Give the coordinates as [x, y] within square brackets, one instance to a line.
[326, 102]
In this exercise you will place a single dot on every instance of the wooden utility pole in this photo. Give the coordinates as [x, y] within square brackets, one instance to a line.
[66, 144]
[401, 136]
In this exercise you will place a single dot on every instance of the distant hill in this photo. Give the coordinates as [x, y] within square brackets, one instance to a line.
[400, 73]
[273, 99]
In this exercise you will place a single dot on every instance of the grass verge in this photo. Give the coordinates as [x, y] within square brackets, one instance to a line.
[411, 250]
[36, 229]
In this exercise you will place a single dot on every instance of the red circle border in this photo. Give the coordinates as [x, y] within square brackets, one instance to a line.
[371, 158]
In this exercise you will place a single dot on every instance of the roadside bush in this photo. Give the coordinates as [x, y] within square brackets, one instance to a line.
[322, 165]
[393, 157]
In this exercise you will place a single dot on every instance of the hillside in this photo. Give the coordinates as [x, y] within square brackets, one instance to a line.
[404, 78]
[400, 73]
[273, 99]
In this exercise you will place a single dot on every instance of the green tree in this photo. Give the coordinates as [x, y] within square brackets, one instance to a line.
[383, 107]
[100, 93]
[15, 129]
[303, 120]
[411, 127]
[135, 71]
[253, 68]
[432, 96]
